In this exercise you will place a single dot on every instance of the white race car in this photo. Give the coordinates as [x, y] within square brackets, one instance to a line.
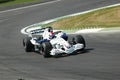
[60, 43]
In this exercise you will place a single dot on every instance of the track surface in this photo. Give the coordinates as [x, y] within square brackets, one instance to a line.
[100, 62]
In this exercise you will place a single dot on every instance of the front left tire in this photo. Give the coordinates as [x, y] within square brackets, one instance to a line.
[28, 46]
[46, 48]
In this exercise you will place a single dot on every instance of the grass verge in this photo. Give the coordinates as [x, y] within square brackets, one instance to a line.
[103, 18]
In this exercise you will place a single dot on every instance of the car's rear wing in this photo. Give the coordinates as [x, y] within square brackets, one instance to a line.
[37, 31]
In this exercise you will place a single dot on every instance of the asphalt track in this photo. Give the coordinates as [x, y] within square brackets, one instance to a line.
[99, 62]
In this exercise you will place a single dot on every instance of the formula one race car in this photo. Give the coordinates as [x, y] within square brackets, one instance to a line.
[52, 43]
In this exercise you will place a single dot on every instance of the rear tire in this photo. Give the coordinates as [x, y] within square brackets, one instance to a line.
[28, 46]
[46, 48]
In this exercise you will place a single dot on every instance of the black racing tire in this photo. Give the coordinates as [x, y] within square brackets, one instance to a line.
[74, 39]
[46, 48]
[80, 39]
[28, 46]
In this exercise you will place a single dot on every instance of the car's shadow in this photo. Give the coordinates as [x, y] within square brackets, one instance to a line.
[87, 50]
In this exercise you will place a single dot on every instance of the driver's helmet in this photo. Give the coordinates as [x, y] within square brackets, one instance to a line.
[50, 29]
[51, 33]
[63, 35]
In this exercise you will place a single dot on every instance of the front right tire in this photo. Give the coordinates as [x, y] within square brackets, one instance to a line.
[74, 39]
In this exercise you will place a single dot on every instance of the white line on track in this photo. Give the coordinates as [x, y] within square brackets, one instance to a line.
[29, 6]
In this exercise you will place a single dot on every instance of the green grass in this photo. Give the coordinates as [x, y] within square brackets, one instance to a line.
[13, 2]
[104, 18]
